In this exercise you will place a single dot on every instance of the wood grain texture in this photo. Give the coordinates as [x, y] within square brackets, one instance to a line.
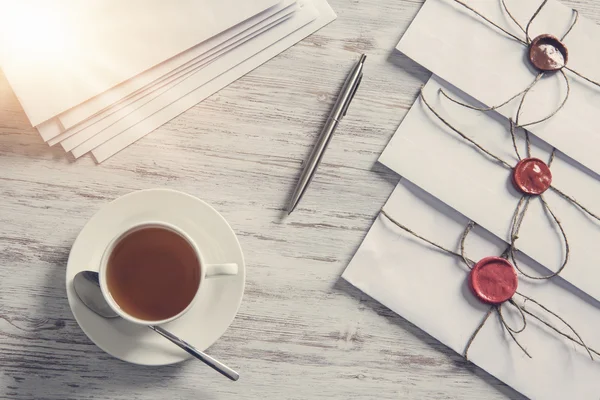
[301, 332]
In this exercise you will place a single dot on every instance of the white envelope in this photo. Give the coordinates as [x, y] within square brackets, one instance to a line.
[432, 156]
[467, 52]
[75, 136]
[429, 288]
[306, 14]
[241, 61]
[174, 65]
[86, 48]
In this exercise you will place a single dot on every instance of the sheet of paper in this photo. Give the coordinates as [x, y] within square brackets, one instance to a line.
[95, 109]
[53, 131]
[432, 156]
[77, 135]
[82, 49]
[95, 105]
[325, 16]
[127, 115]
[429, 288]
[50, 129]
[464, 50]
[306, 14]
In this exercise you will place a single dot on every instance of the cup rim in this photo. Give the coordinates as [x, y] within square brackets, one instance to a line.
[104, 265]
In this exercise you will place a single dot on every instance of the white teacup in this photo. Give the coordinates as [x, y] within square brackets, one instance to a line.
[206, 270]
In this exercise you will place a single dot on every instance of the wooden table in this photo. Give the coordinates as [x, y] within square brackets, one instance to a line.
[301, 332]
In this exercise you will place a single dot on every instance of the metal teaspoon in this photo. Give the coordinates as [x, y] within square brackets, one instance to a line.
[87, 287]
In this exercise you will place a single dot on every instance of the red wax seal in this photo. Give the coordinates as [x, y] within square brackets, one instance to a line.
[531, 176]
[548, 53]
[493, 280]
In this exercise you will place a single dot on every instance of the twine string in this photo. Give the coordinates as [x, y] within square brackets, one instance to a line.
[582, 76]
[527, 89]
[525, 93]
[516, 222]
[517, 218]
[581, 342]
[476, 331]
[512, 17]
[468, 262]
[505, 254]
[516, 226]
[421, 237]
[555, 111]
[576, 341]
[551, 159]
[528, 143]
[513, 136]
[575, 19]
[535, 14]
[468, 139]
[521, 309]
[463, 238]
[514, 233]
[510, 332]
[526, 43]
[511, 301]
[518, 39]
[524, 202]
[577, 203]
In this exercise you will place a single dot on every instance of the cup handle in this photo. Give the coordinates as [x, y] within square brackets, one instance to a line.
[221, 269]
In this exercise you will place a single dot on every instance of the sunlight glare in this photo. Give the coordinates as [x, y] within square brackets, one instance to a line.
[33, 30]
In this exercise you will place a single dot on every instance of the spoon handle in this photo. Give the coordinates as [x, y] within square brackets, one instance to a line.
[205, 358]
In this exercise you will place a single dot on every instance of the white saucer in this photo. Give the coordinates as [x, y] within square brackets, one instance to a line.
[210, 316]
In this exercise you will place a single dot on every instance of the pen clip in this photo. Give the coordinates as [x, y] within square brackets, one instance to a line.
[354, 89]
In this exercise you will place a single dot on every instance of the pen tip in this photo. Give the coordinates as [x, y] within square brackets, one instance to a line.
[363, 58]
[292, 207]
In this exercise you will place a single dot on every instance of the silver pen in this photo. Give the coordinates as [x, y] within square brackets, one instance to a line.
[337, 113]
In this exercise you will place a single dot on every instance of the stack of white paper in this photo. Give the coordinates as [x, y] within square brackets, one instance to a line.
[448, 181]
[95, 76]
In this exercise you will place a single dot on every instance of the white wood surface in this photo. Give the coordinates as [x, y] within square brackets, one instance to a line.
[301, 332]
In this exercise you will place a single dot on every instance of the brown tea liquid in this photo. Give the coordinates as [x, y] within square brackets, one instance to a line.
[153, 274]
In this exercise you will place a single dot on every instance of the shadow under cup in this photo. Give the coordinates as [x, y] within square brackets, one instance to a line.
[152, 273]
